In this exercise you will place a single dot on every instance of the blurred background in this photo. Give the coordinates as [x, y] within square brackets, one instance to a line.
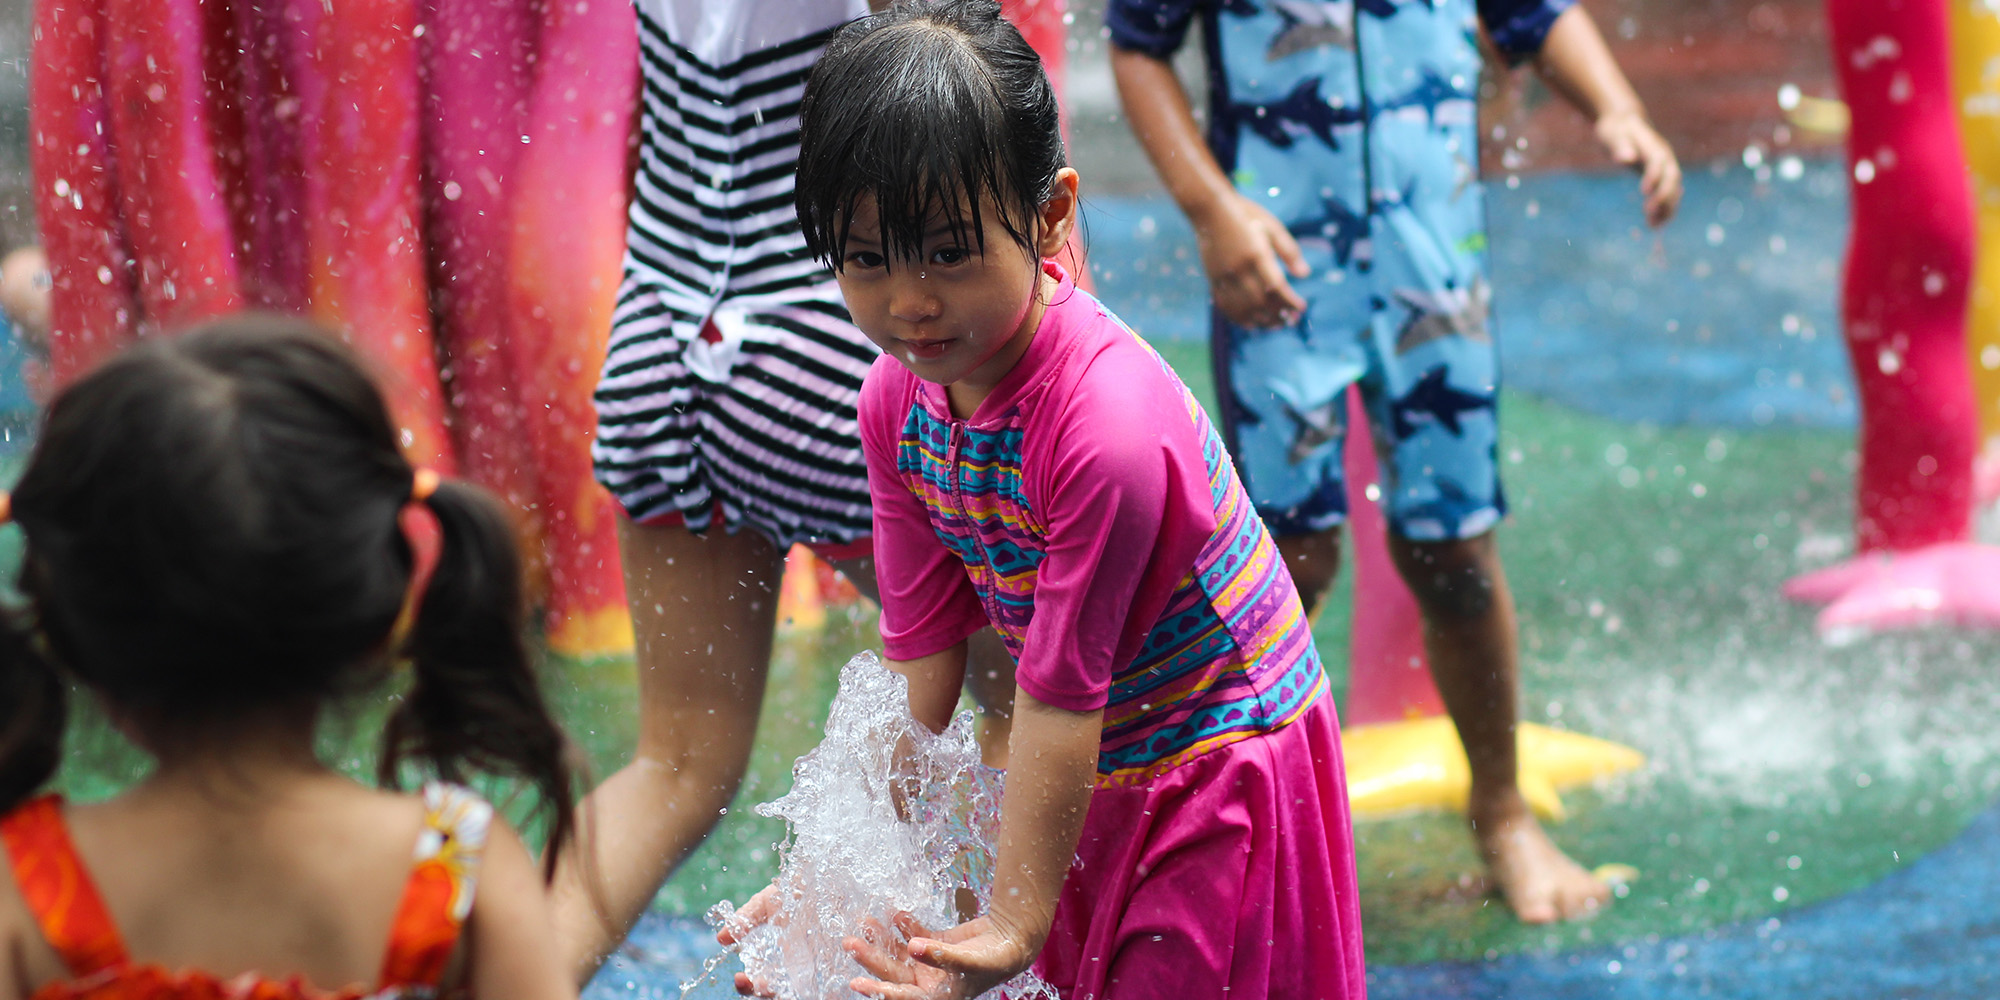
[1678, 440]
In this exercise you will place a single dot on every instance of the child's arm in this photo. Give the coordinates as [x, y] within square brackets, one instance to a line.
[1575, 63]
[510, 936]
[935, 681]
[1244, 248]
[1053, 759]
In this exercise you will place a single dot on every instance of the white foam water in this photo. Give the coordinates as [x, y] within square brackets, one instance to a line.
[850, 857]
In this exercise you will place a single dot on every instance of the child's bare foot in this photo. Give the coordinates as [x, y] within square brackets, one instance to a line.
[1537, 879]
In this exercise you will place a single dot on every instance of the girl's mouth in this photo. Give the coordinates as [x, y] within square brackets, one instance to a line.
[927, 350]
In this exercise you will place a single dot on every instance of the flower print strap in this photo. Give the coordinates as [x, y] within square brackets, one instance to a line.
[438, 897]
[58, 889]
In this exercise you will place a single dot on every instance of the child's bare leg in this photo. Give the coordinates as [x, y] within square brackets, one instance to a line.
[1313, 560]
[989, 671]
[1469, 634]
[703, 609]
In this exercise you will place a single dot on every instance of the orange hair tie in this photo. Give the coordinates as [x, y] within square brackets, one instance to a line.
[423, 483]
[425, 536]
[6, 507]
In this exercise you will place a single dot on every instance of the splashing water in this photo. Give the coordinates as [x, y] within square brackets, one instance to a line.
[849, 857]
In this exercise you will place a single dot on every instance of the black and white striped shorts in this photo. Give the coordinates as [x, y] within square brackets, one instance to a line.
[748, 414]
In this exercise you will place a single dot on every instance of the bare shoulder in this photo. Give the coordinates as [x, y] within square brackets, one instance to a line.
[510, 937]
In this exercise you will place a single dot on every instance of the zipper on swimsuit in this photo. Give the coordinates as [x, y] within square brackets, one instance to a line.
[957, 481]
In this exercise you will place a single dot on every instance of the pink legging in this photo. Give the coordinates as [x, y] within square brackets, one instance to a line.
[1909, 265]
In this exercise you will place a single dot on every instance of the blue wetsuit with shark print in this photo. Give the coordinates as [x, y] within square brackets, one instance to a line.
[1355, 123]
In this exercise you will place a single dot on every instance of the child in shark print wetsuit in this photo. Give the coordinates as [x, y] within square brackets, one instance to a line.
[1337, 201]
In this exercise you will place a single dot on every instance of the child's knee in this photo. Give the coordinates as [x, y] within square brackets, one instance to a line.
[1453, 581]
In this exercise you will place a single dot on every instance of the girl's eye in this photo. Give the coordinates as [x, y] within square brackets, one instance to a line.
[864, 260]
[950, 255]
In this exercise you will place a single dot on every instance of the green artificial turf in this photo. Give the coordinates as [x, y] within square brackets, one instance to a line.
[1645, 564]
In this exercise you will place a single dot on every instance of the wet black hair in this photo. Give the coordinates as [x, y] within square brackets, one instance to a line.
[212, 525]
[926, 107]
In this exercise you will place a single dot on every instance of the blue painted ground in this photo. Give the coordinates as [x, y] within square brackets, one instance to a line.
[1726, 318]
[17, 411]
[1930, 930]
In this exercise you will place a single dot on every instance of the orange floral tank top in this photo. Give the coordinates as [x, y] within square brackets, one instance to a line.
[76, 923]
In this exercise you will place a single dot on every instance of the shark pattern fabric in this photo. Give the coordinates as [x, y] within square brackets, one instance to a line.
[1355, 123]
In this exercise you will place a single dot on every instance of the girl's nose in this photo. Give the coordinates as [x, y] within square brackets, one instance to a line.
[911, 300]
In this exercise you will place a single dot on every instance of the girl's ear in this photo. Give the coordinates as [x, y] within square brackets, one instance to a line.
[1058, 213]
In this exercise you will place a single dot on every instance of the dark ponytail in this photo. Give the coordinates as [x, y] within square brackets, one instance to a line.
[475, 702]
[33, 711]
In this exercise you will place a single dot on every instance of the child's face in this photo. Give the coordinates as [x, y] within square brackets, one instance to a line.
[955, 316]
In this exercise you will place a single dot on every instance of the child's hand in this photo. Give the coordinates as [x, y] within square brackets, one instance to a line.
[1631, 140]
[754, 914]
[955, 964]
[1247, 253]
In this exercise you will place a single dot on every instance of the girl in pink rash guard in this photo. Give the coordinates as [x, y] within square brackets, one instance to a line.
[1175, 822]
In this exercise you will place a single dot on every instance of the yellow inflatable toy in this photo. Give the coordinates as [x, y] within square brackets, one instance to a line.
[1417, 764]
[1975, 77]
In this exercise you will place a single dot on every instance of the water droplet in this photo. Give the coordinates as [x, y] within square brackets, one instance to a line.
[452, 191]
[1900, 88]
[1864, 171]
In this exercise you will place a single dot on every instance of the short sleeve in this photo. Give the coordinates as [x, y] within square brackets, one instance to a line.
[1125, 497]
[928, 603]
[1155, 27]
[1519, 27]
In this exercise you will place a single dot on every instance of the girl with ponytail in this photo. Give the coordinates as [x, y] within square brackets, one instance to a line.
[223, 545]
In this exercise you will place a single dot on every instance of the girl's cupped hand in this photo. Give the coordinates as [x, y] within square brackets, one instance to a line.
[957, 963]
